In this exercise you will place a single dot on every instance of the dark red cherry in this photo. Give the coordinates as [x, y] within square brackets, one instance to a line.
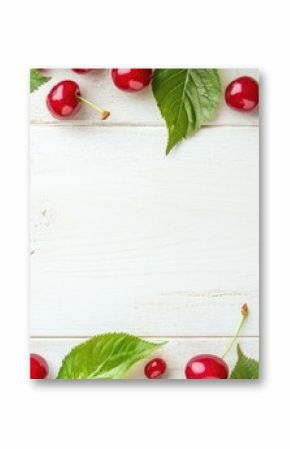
[38, 367]
[82, 71]
[206, 366]
[62, 101]
[155, 368]
[131, 80]
[242, 94]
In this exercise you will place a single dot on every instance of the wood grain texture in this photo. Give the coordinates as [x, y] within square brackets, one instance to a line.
[127, 108]
[176, 353]
[124, 238]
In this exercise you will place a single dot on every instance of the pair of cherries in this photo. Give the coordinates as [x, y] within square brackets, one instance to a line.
[64, 100]
[202, 366]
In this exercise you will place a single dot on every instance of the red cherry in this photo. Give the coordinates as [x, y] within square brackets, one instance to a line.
[131, 80]
[62, 101]
[242, 94]
[206, 366]
[155, 368]
[82, 71]
[38, 367]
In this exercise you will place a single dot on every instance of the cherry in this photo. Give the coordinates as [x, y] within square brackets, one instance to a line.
[131, 80]
[206, 366]
[82, 71]
[242, 94]
[155, 368]
[209, 366]
[38, 367]
[64, 101]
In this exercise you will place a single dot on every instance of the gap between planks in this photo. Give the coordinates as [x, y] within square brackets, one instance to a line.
[101, 124]
[208, 337]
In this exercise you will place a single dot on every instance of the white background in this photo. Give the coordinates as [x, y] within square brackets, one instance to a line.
[136, 414]
[124, 238]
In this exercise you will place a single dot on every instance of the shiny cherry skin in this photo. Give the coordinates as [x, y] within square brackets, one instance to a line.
[155, 368]
[206, 366]
[62, 100]
[82, 71]
[131, 80]
[38, 367]
[242, 94]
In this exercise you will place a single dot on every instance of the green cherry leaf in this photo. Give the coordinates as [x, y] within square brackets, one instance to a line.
[37, 79]
[246, 368]
[187, 98]
[106, 356]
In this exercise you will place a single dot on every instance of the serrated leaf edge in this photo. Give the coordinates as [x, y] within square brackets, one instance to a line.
[42, 78]
[241, 354]
[198, 126]
[107, 334]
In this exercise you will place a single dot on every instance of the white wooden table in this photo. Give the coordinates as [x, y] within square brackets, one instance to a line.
[126, 239]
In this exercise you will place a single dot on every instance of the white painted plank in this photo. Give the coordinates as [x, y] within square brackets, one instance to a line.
[136, 108]
[124, 238]
[176, 353]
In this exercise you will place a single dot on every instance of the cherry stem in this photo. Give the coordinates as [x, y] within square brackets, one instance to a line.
[244, 313]
[104, 114]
